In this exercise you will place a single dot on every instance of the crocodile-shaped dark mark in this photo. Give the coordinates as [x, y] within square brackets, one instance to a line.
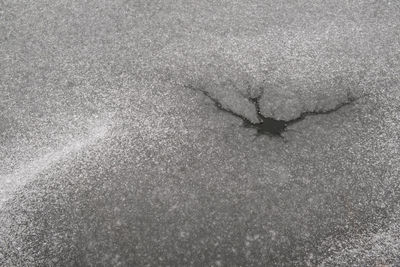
[270, 126]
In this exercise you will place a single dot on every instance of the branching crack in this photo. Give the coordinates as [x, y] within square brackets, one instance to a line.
[270, 126]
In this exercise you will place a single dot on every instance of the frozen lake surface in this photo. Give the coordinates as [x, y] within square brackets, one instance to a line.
[199, 133]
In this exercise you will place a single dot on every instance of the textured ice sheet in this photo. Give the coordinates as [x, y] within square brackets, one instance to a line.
[180, 182]
[372, 249]
[299, 56]
[39, 161]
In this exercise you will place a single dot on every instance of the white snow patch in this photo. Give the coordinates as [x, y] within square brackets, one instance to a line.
[27, 171]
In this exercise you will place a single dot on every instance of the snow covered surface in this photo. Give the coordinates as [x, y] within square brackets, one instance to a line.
[107, 158]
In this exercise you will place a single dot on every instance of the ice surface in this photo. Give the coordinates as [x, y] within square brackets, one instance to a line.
[180, 182]
[299, 56]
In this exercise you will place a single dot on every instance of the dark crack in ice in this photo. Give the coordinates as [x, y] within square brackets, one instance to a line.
[270, 126]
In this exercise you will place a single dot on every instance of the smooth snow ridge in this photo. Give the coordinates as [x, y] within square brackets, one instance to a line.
[27, 171]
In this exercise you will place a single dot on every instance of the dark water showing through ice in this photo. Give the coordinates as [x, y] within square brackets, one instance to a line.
[270, 126]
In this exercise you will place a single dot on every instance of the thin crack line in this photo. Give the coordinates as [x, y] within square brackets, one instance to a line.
[270, 126]
[266, 126]
[218, 104]
[303, 115]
